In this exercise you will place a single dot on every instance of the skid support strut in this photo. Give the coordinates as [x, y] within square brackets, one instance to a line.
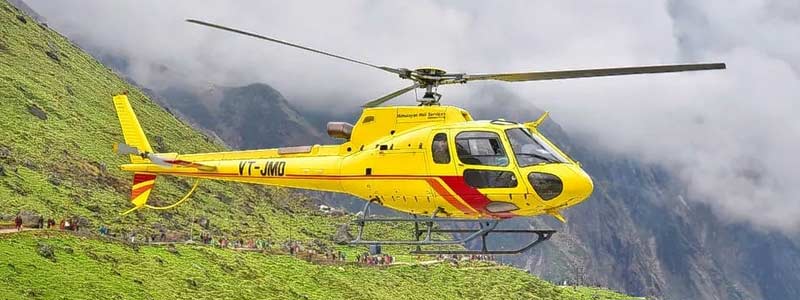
[425, 227]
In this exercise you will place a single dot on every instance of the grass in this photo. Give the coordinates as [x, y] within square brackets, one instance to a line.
[89, 268]
[59, 164]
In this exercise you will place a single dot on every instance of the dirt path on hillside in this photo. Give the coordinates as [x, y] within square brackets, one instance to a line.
[14, 230]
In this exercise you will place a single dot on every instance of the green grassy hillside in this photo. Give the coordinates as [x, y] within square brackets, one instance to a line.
[57, 125]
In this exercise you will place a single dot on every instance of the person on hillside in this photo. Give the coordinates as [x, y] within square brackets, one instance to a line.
[18, 222]
[51, 223]
[40, 223]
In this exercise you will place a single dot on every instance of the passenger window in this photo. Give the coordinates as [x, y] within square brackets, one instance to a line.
[490, 179]
[480, 148]
[440, 150]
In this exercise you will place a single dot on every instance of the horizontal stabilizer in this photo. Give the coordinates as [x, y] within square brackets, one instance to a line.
[125, 149]
[189, 164]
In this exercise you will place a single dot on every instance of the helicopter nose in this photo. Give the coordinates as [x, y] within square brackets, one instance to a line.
[582, 187]
[561, 186]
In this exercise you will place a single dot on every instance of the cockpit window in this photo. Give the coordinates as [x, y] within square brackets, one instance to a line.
[480, 148]
[529, 150]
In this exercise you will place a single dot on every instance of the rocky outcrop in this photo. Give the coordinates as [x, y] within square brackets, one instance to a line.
[37, 112]
[343, 235]
[30, 219]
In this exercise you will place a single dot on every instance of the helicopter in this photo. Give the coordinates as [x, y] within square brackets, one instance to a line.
[432, 161]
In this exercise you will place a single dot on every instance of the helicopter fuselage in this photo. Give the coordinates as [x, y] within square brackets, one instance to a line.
[415, 159]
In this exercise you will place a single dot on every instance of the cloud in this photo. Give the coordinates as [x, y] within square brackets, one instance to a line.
[731, 135]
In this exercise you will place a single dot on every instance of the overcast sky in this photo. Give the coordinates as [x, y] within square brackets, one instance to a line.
[731, 135]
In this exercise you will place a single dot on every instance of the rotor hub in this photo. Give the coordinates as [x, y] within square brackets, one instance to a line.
[430, 71]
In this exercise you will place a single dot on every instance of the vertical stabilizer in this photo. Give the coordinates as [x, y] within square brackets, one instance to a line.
[131, 130]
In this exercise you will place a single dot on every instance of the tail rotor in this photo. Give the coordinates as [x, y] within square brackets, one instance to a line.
[125, 149]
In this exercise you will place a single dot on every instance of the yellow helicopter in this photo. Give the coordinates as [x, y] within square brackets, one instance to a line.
[431, 161]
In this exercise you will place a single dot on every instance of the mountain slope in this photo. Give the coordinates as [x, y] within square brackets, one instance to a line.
[247, 117]
[57, 125]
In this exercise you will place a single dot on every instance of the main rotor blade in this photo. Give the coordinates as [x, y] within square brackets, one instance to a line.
[566, 74]
[258, 36]
[391, 96]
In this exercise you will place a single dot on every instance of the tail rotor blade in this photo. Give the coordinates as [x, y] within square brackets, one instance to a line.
[123, 149]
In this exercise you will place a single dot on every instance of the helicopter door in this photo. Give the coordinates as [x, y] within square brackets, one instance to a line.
[484, 162]
[441, 165]
[440, 158]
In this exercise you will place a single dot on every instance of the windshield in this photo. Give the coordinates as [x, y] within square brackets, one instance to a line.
[529, 150]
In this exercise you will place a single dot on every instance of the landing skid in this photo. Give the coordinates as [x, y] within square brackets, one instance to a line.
[424, 236]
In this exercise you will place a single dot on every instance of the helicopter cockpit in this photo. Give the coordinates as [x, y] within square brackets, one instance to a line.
[508, 162]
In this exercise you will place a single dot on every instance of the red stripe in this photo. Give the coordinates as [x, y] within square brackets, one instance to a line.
[447, 196]
[289, 176]
[135, 193]
[471, 195]
[142, 177]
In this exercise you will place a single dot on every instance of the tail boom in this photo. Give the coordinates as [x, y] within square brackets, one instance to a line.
[144, 163]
